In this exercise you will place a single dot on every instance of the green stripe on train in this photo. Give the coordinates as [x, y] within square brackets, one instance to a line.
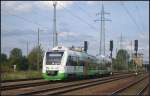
[59, 76]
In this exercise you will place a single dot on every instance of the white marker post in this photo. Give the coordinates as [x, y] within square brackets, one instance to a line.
[14, 67]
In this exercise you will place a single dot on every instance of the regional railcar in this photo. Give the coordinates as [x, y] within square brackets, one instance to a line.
[61, 63]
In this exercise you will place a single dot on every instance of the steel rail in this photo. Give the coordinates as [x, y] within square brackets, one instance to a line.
[3, 88]
[31, 84]
[28, 84]
[54, 91]
[18, 80]
[124, 88]
[142, 91]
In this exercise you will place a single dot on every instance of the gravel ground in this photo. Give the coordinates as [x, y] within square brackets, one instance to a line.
[21, 82]
[43, 87]
[147, 92]
[103, 89]
[99, 89]
[135, 89]
[38, 88]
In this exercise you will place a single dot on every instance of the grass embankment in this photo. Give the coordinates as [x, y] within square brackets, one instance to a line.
[20, 75]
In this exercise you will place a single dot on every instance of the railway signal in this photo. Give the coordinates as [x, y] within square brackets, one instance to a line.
[85, 46]
[111, 49]
[136, 49]
[136, 45]
[111, 45]
[14, 67]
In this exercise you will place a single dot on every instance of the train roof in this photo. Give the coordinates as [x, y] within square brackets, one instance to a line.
[103, 57]
[63, 48]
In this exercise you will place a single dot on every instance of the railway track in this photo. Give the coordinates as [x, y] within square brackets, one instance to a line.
[29, 89]
[22, 83]
[18, 80]
[57, 87]
[139, 91]
[77, 86]
[28, 83]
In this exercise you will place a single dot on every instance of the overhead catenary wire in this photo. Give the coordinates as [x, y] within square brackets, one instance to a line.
[79, 18]
[132, 18]
[84, 11]
[27, 20]
[139, 15]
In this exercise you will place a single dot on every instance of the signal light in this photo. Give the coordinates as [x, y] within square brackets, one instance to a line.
[111, 45]
[136, 45]
[85, 46]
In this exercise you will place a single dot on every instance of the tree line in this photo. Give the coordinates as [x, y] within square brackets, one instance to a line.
[123, 61]
[30, 62]
[21, 62]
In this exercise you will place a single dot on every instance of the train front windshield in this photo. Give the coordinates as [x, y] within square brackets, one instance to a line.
[53, 58]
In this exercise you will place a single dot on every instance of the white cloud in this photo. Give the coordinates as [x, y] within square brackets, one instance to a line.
[144, 35]
[104, 2]
[64, 34]
[91, 2]
[16, 6]
[27, 6]
[100, 2]
[24, 8]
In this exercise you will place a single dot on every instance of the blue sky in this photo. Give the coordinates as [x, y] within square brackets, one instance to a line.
[20, 21]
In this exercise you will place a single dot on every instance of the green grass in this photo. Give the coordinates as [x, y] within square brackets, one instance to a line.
[20, 75]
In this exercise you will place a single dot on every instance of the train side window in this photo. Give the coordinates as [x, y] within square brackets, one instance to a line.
[78, 61]
[75, 61]
[69, 61]
[72, 61]
[82, 63]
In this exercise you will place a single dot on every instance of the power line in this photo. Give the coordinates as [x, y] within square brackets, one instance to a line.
[138, 11]
[26, 20]
[81, 9]
[132, 18]
[79, 18]
[84, 11]
[47, 16]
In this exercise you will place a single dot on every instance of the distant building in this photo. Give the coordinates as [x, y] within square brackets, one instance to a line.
[139, 59]
[146, 65]
[146, 62]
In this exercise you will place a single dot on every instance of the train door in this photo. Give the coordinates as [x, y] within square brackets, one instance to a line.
[85, 68]
[76, 68]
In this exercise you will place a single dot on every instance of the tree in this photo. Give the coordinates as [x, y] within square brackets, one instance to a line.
[3, 58]
[24, 63]
[113, 64]
[4, 63]
[16, 53]
[122, 60]
[132, 65]
[15, 57]
[33, 58]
